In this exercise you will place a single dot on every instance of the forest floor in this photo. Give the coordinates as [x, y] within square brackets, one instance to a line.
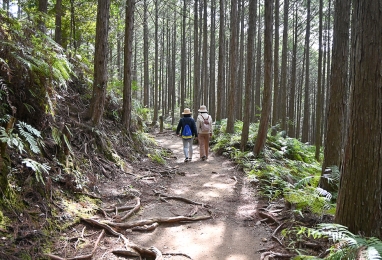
[214, 190]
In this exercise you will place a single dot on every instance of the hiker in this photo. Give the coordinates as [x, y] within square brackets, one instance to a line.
[187, 128]
[204, 126]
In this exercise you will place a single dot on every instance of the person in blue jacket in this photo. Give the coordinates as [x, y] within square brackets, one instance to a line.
[187, 128]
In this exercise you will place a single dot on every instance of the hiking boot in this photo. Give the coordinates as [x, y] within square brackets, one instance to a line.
[186, 160]
[189, 159]
[203, 158]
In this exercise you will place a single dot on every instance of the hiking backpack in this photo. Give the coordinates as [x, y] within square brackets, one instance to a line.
[186, 132]
[205, 127]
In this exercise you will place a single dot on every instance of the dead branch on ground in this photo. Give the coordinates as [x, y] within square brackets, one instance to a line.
[88, 256]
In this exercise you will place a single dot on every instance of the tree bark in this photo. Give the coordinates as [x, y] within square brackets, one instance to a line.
[267, 95]
[58, 28]
[233, 69]
[306, 119]
[221, 65]
[249, 73]
[359, 205]
[97, 103]
[127, 74]
[334, 142]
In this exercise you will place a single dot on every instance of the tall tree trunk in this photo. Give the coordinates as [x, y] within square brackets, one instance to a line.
[334, 142]
[43, 8]
[233, 69]
[58, 27]
[212, 99]
[156, 68]
[241, 66]
[293, 82]
[249, 73]
[221, 64]
[183, 60]
[359, 205]
[97, 103]
[276, 88]
[257, 103]
[73, 42]
[196, 61]
[145, 57]
[127, 73]
[284, 67]
[318, 135]
[205, 83]
[306, 118]
[267, 96]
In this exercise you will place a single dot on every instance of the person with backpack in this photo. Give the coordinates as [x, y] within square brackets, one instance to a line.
[204, 126]
[187, 128]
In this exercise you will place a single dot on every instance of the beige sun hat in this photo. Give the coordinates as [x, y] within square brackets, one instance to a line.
[203, 108]
[186, 111]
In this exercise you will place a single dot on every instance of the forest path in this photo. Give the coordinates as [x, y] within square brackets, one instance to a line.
[234, 231]
[231, 229]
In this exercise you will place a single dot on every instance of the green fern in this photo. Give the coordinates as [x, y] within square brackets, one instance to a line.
[12, 140]
[31, 135]
[346, 245]
[38, 168]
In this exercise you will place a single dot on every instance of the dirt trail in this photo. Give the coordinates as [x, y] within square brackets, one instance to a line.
[233, 233]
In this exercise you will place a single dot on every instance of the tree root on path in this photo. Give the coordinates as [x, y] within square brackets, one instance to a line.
[154, 220]
[268, 216]
[88, 256]
[273, 254]
[131, 212]
[164, 197]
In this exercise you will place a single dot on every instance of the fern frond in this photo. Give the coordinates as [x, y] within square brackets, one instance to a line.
[38, 168]
[31, 136]
[12, 140]
[56, 135]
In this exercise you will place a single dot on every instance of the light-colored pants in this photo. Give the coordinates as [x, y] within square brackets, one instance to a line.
[204, 141]
[187, 147]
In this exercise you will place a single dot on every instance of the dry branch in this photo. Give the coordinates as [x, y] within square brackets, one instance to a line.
[159, 220]
[81, 257]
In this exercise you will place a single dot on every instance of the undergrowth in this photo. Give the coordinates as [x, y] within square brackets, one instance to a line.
[287, 170]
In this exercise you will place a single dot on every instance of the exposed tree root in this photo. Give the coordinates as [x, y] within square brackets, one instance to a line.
[275, 232]
[268, 216]
[131, 212]
[158, 220]
[88, 256]
[278, 255]
[102, 225]
[124, 252]
[181, 254]
[165, 197]
[146, 227]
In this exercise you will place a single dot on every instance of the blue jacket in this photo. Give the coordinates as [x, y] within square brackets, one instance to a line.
[187, 120]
